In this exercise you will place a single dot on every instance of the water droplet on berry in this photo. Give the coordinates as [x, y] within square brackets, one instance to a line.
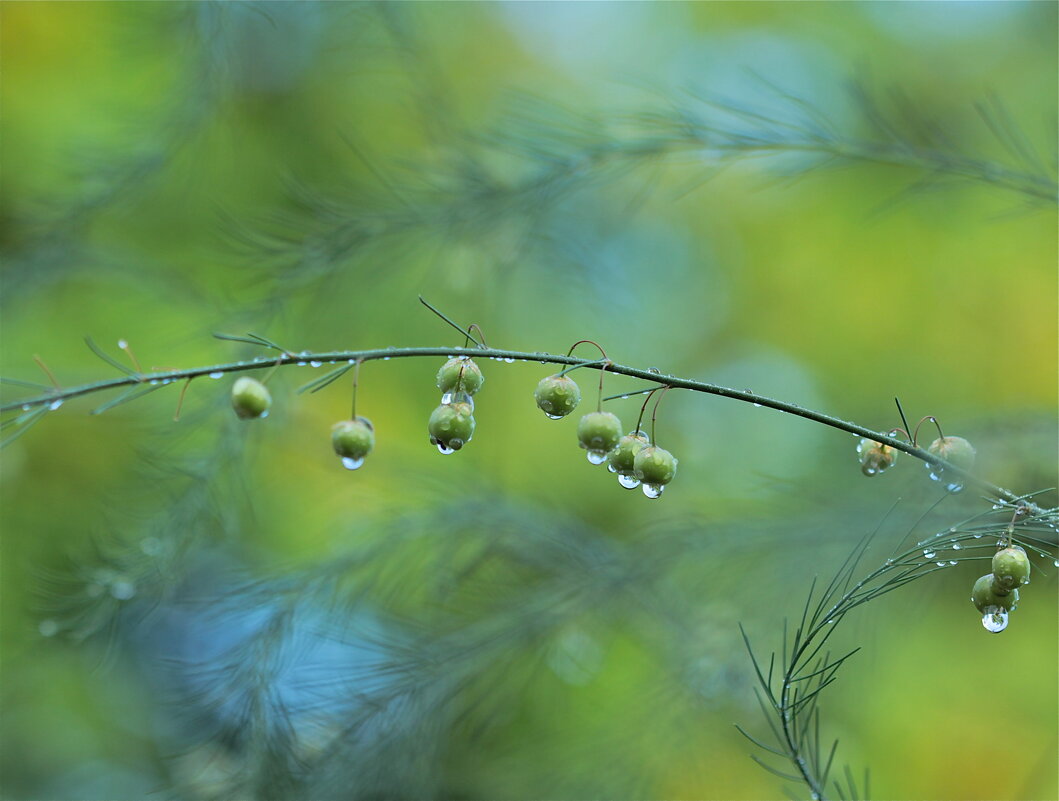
[553, 416]
[446, 398]
[444, 450]
[995, 619]
[611, 468]
[352, 464]
[596, 457]
[263, 415]
[216, 374]
[629, 482]
[653, 490]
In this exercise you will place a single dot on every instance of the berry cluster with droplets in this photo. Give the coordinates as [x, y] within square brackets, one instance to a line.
[876, 457]
[451, 424]
[633, 457]
[996, 594]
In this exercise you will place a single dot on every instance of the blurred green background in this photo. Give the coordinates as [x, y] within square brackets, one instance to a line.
[215, 609]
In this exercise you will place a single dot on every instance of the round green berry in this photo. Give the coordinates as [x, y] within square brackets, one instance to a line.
[598, 433]
[557, 395]
[621, 458]
[451, 426]
[460, 374]
[1011, 568]
[250, 398]
[954, 450]
[875, 457]
[353, 439]
[987, 595]
[655, 466]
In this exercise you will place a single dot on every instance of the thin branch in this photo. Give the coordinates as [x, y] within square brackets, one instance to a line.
[672, 381]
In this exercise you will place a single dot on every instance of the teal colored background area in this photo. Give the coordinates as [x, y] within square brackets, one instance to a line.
[831, 204]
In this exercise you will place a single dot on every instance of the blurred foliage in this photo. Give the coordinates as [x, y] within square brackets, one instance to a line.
[831, 204]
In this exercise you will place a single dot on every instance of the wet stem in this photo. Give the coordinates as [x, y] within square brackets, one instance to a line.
[346, 358]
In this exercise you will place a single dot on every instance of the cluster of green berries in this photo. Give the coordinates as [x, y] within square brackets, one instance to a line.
[636, 461]
[451, 424]
[876, 458]
[996, 594]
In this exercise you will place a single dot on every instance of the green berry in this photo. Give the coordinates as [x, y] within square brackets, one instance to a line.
[353, 440]
[987, 595]
[875, 457]
[598, 433]
[955, 450]
[621, 458]
[460, 373]
[250, 398]
[654, 465]
[451, 426]
[557, 395]
[1011, 568]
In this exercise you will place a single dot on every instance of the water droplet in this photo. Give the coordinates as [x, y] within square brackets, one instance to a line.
[629, 482]
[653, 490]
[596, 457]
[352, 464]
[1056, 562]
[553, 416]
[217, 374]
[48, 628]
[26, 407]
[302, 364]
[304, 353]
[952, 562]
[264, 414]
[997, 506]
[929, 554]
[995, 619]
[167, 381]
[122, 589]
[153, 382]
[978, 536]
[446, 398]
[55, 405]
[941, 564]
[611, 468]
[122, 344]
[384, 358]
[509, 361]
[315, 363]
[956, 546]
[871, 471]
[624, 397]
[444, 450]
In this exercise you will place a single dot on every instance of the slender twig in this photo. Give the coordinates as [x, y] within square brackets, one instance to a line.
[672, 381]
